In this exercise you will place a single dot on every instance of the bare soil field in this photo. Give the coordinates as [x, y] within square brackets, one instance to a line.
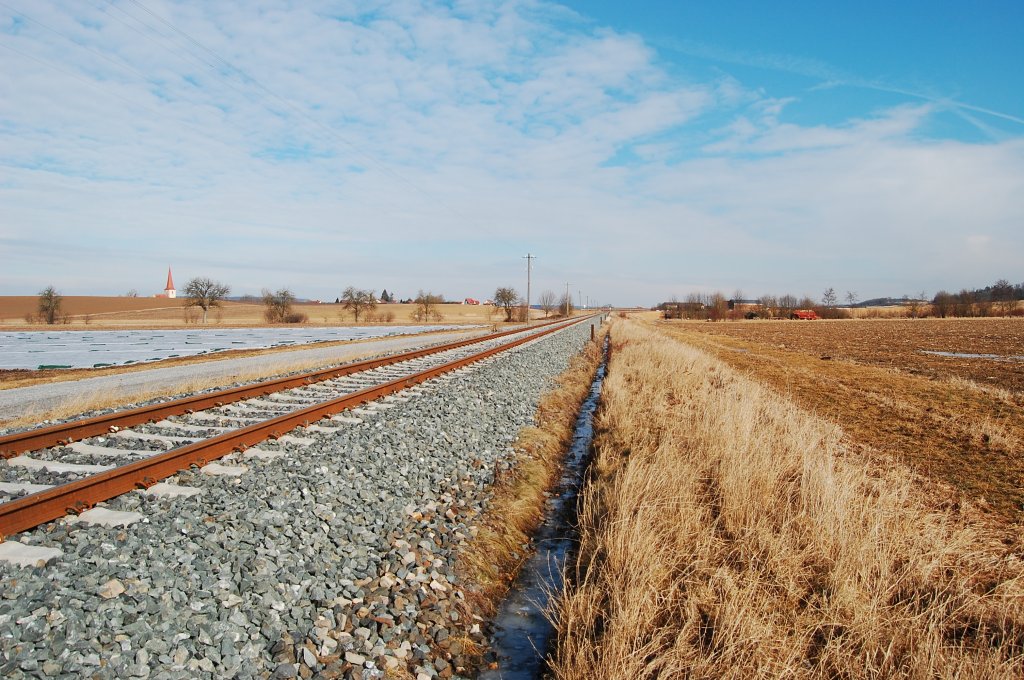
[897, 343]
[954, 420]
[132, 313]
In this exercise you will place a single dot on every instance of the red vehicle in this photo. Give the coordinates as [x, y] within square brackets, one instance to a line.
[804, 315]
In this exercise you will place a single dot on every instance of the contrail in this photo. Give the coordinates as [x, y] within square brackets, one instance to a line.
[813, 68]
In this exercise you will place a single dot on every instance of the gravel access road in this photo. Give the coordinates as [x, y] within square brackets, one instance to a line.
[18, 402]
[335, 559]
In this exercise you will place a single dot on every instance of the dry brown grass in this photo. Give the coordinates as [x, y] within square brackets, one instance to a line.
[516, 507]
[889, 398]
[729, 534]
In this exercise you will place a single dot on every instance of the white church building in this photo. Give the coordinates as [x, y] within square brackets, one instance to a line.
[169, 291]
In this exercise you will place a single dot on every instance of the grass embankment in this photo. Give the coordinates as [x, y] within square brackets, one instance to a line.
[516, 509]
[728, 534]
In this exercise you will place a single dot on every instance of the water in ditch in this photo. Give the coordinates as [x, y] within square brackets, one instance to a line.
[965, 355]
[522, 634]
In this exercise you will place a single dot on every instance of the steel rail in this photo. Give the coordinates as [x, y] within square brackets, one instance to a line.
[65, 433]
[35, 509]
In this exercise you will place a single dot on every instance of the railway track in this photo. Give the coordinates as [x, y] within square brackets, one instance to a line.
[69, 468]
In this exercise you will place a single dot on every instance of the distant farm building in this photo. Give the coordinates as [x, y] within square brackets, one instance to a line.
[749, 309]
[470, 301]
[169, 291]
[683, 310]
[744, 305]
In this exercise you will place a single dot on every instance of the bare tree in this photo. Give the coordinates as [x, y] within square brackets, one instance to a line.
[358, 301]
[506, 298]
[132, 293]
[695, 307]
[923, 297]
[964, 304]
[851, 298]
[203, 293]
[1004, 296]
[915, 304]
[770, 305]
[548, 302]
[717, 306]
[49, 304]
[278, 305]
[565, 305]
[426, 306]
[982, 305]
[829, 297]
[943, 303]
[787, 303]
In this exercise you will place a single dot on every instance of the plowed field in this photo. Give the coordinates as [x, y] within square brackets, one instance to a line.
[901, 344]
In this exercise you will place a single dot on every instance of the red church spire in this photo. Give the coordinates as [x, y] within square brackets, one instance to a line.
[170, 281]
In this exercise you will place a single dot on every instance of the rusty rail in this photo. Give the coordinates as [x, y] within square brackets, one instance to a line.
[44, 506]
[65, 433]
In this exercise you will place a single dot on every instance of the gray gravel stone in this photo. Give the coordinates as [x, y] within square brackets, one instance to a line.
[345, 548]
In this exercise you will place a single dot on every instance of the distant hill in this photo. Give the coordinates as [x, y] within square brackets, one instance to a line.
[884, 302]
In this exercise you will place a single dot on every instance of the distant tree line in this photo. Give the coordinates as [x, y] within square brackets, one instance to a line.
[999, 299]
[201, 295]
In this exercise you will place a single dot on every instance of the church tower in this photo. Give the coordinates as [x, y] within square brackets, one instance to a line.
[169, 290]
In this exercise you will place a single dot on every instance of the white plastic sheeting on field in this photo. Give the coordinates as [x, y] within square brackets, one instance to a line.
[88, 349]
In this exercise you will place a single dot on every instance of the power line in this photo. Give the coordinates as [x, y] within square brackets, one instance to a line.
[92, 84]
[119, 63]
[174, 49]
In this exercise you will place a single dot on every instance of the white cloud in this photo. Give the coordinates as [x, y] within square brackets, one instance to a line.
[978, 244]
[770, 136]
[424, 145]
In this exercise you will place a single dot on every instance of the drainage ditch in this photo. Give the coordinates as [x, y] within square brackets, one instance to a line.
[522, 633]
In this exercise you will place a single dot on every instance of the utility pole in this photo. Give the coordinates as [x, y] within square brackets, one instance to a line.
[568, 299]
[529, 265]
[579, 295]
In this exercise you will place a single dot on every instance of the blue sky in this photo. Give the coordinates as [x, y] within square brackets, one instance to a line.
[640, 150]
